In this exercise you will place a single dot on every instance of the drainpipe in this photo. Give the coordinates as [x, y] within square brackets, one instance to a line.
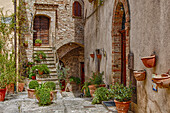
[15, 38]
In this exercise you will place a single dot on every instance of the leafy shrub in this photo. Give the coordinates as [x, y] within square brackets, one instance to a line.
[43, 95]
[121, 93]
[101, 94]
[75, 79]
[50, 85]
[33, 84]
[97, 78]
[38, 41]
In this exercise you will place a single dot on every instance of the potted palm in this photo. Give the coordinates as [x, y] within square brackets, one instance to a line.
[122, 97]
[38, 42]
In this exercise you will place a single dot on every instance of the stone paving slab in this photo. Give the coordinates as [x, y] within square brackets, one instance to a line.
[20, 103]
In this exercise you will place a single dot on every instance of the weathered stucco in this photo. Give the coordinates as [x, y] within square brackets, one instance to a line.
[149, 25]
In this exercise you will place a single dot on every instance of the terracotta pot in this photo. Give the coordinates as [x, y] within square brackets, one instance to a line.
[91, 1]
[162, 83]
[40, 56]
[92, 55]
[102, 85]
[99, 56]
[10, 88]
[2, 94]
[21, 86]
[33, 77]
[26, 44]
[122, 107]
[149, 61]
[40, 72]
[31, 93]
[29, 65]
[140, 75]
[37, 44]
[92, 89]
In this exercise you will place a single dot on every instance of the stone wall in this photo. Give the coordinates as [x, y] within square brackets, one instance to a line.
[149, 25]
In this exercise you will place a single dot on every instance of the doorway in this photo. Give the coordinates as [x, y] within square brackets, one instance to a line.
[82, 74]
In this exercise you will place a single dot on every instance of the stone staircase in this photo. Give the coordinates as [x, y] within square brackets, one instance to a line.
[50, 62]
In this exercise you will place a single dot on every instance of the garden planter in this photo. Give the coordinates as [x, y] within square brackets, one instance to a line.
[122, 107]
[33, 77]
[162, 81]
[40, 56]
[10, 88]
[2, 94]
[140, 75]
[149, 61]
[51, 97]
[92, 56]
[99, 56]
[31, 93]
[92, 89]
[37, 44]
[21, 86]
[40, 72]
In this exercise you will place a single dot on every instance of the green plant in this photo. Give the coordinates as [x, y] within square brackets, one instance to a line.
[43, 95]
[26, 42]
[42, 68]
[101, 94]
[41, 53]
[33, 84]
[38, 41]
[121, 93]
[86, 88]
[31, 74]
[50, 85]
[75, 79]
[97, 78]
[30, 63]
[7, 70]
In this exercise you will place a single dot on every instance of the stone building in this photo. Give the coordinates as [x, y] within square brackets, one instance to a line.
[60, 26]
[117, 29]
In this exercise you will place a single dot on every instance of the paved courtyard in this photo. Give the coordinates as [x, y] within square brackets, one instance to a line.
[20, 103]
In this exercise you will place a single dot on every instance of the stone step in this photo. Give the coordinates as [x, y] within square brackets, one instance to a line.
[53, 74]
[46, 52]
[43, 48]
[51, 66]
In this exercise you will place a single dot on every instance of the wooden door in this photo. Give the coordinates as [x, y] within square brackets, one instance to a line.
[41, 29]
[123, 57]
[82, 73]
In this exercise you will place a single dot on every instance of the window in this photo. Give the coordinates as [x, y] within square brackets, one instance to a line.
[76, 9]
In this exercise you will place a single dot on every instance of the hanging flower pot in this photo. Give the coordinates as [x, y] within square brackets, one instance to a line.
[91, 1]
[2, 94]
[92, 55]
[149, 61]
[140, 75]
[99, 56]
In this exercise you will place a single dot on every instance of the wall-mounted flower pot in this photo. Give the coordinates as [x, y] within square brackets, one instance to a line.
[37, 44]
[162, 81]
[92, 56]
[99, 56]
[149, 61]
[91, 1]
[140, 75]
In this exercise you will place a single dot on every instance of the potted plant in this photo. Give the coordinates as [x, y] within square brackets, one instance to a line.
[32, 76]
[32, 86]
[122, 97]
[85, 89]
[101, 94]
[96, 82]
[42, 69]
[26, 43]
[7, 74]
[139, 75]
[75, 83]
[62, 75]
[52, 86]
[21, 83]
[44, 95]
[29, 64]
[41, 55]
[149, 61]
[38, 42]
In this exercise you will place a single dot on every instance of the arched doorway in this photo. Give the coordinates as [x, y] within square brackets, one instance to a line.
[41, 29]
[120, 42]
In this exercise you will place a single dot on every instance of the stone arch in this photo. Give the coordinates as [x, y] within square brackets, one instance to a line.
[120, 41]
